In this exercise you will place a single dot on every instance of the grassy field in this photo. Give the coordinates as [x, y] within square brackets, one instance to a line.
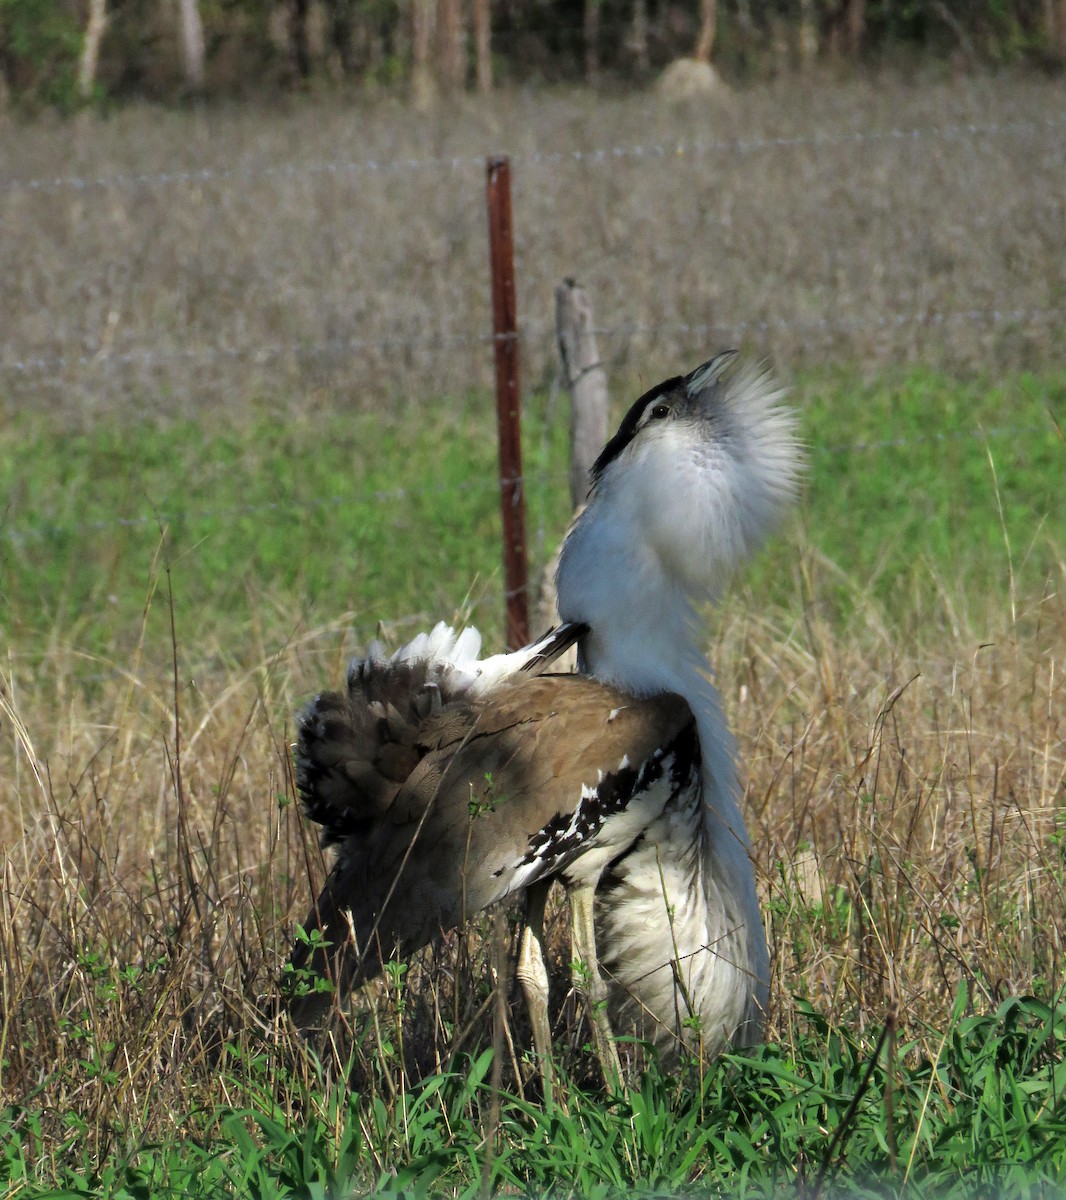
[920, 486]
[192, 544]
[892, 666]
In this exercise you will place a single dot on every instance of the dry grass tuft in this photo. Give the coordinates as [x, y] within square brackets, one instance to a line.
[907, 807]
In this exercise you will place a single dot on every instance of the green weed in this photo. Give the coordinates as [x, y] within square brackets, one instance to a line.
[978, 1108]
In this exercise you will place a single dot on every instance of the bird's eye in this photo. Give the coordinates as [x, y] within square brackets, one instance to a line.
[659, 411]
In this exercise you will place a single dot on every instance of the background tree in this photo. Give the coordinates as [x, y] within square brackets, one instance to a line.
[483, 44]
[90, 54]
[192, 43]
[592, 41]
[708, 28]
[451, 45]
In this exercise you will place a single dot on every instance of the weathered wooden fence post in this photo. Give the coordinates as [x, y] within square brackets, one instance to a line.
[586, 380]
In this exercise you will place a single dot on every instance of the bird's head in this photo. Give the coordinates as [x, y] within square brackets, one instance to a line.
[697, 475]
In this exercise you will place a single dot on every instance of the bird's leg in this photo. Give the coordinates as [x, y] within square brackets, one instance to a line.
[533, 976]
[589, 981]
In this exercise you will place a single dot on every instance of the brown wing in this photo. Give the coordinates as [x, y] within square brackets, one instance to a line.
[515, 787]
[357, 749]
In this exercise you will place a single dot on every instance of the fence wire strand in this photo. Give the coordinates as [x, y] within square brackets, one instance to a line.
[104, 360]
[596, 155]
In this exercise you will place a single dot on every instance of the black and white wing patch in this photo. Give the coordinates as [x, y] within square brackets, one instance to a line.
[609, 816]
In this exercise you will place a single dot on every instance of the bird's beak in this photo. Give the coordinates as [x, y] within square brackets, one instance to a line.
[709, 373]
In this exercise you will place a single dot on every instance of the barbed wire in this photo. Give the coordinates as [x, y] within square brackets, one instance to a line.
[529, 332]
[928, 318]
[102, 358]
[697, 148]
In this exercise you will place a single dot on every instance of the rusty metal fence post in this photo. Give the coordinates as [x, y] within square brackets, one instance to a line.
[508, 400]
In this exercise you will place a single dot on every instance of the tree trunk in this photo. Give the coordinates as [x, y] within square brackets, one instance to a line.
[744, 19]
[591, 32]
[450, 44]
[483, 42]
[1055, 22]
[708, 27]
[747, 39]
[966, 46]
[342, 34]
[423, 15]
[808, 34]
[423, 85]
[855, 26]
[298, 40]
[192, 44]
[90, 50]
[638, 36]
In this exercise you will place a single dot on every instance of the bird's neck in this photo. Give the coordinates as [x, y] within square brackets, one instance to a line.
[646, 637]
[644, 632]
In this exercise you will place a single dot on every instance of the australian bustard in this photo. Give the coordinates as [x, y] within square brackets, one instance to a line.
[699, 472]
[449, 782]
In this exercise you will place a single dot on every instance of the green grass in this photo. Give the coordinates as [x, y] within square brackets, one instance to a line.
[393, 516]
[977, 1109]
[920, 482]
[376, 516]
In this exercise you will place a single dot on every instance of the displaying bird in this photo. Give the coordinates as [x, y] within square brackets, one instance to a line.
[700, 471]
[448, 782]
